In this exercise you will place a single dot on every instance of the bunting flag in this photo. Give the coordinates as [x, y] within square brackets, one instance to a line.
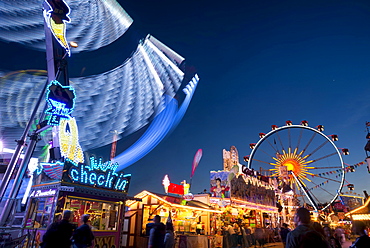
[338, 172]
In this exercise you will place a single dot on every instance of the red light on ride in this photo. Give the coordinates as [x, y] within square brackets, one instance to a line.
[246, 158]
[304, 123]
[345, 151]
[351, 186]
[262, 135]
[288, 123]
[274, 127]
[320, 128]
[252, 145]
[334, 137]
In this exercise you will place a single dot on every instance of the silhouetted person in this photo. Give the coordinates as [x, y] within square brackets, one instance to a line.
[284, 233]
[157, 233]
[83, 235]
[359, 227]
[59, 233]
[169, 238]
[303, 236]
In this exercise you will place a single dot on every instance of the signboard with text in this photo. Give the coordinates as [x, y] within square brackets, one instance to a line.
[97, 174]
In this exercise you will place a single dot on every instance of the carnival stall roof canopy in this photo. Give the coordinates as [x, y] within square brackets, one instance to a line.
[173, 201]
[360, 213]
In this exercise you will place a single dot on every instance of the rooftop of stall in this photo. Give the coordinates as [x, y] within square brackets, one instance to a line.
[176, 207]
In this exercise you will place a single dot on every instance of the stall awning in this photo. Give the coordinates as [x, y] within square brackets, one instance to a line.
[360, 216]
[175, 201]
[363, 210]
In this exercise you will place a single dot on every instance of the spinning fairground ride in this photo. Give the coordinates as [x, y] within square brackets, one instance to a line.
[307, 165]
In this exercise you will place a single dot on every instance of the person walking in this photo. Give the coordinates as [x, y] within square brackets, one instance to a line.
[59, 234]
[169, 238]
[359, 228]
[284, 233]
[83, 236]
[157, 233]
[260, 236]
[303, 236]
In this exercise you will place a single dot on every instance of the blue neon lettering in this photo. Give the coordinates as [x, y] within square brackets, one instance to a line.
[74, 174]
[98, 174]
[117, 183]
[92, 180]
[100, 183]
[110, 177]
[123, 185]
[83, 175]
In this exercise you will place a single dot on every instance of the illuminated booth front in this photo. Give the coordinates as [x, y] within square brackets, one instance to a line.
[192, 218]
[361, 212]
[244, 196]
[94, 189]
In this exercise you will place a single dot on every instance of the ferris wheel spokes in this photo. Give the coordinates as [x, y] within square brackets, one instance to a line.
[326, 156]
[322, 189]
[308, 143]
[328, 167]
[305, 191]
[295, 153]
[317, 148]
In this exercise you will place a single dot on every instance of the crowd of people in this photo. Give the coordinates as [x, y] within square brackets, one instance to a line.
[306, 234]
[161, 235]
[63, 234]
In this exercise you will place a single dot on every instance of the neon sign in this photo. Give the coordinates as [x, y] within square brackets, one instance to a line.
[68, 139]
[97, 174]
[56, 17]
[43, 193]
[61, 101]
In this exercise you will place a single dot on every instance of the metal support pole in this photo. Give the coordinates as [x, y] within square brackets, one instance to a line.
[9, 203]
[20, 145]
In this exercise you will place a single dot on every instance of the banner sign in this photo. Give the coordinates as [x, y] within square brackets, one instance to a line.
[97, 174]
[176, 189]
[43, 193]
[197, 157]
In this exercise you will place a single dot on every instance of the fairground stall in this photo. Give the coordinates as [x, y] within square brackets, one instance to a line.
[361, 212]
[191, 218]
[94, 189]
[245, 196]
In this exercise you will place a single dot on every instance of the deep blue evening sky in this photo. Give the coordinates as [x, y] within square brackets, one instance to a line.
[260, 63]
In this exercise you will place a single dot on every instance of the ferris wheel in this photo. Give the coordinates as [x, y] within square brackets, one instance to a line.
[305, 161]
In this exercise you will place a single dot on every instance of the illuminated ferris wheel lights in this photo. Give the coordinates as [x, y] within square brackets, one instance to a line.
[345, 151]
[320, 128]
[289, 159]
[351, 186]
[351, 168]
[274, 127]
[304, 123]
